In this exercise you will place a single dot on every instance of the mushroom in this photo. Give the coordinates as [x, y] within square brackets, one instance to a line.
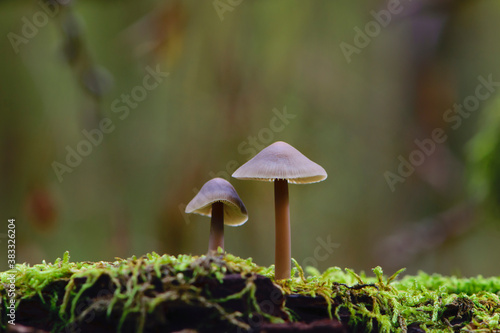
[218, 199]
[282, 164]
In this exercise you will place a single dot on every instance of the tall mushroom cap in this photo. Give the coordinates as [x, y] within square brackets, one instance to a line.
[281, 161]
[219, 190]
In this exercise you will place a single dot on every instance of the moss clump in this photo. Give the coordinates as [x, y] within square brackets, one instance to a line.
[228, 293]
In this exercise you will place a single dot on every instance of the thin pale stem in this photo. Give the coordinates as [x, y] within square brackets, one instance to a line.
[216, 227]
[282, 251]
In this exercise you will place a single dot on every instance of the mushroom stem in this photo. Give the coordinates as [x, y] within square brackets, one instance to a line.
[282, 250]
[216, 227]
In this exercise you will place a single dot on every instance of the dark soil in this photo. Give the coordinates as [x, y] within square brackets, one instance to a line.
[310, 313]
[228, 294]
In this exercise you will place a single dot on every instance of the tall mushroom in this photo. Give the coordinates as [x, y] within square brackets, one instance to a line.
[282, 164]
[218, 199]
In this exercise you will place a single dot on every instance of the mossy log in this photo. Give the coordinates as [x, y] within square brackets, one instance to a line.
[224, 293]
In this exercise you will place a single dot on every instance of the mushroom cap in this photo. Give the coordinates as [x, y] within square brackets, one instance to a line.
[281, 161]
[219, 190]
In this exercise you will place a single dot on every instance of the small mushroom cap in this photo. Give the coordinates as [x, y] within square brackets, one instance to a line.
[281, 161]
[216, 190]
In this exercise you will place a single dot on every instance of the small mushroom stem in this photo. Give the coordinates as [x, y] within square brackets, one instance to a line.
[282, 250]
[216, 227]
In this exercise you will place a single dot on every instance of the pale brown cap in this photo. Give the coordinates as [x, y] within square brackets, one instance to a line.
[216, 190]
[281, 161]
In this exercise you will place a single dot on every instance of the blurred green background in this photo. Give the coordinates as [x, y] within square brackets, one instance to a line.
[358, 93]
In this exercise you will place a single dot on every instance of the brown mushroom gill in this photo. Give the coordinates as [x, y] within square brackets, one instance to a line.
[219, 200]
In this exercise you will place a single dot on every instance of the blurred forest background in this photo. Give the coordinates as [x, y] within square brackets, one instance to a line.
[234, 66]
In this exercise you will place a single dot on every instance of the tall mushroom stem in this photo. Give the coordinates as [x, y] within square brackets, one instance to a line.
[216, 227]
[282, 250]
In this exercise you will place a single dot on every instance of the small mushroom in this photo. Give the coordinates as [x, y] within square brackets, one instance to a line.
[218, 199]
[282, 164]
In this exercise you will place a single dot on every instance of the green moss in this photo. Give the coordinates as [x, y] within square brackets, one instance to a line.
[433, 302]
